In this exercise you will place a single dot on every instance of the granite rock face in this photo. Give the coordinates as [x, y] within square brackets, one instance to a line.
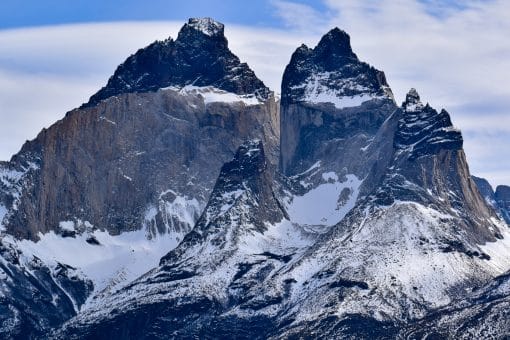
[497, 200]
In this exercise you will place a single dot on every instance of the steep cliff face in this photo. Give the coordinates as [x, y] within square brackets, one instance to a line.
[486, 190]
[141, 158]
[429, 164]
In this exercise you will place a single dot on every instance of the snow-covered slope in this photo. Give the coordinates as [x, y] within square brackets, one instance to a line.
[242, 239]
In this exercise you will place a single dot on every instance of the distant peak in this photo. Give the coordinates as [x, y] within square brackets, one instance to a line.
[208, 26]
[412, 102]
[413, 96]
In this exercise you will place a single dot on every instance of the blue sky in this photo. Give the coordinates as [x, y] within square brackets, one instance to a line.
[23, 13]
[54, 54]
[27, 13]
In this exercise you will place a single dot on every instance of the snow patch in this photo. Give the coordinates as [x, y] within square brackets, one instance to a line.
[317, 90]
[178, 215]
[328, 176]
[66, 225]
[315, 166]
[499, 251]
[230, 198]
[327, 204]
[207, 26]
[116, 261]
[211, 94]
[107, 120]
[414, 107]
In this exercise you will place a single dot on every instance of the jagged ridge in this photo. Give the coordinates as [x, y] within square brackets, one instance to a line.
[199, 56]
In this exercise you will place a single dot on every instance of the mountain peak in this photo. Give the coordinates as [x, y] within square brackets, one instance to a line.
[208, 26]
[424, 131]
[412, 102]
[336, 43]
[332, 73]
[199, 56]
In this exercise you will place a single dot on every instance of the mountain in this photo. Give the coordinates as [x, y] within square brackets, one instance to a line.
[328, 95]
[498, 200]
[415, 244]
[116, 184]
[374, 225]
[197, 212]
[208, 285]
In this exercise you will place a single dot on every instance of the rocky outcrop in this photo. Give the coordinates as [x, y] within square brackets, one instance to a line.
[34, 296]
[499, 201]
[485, 190]
[429, 167]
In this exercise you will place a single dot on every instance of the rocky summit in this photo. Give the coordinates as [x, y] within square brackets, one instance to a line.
[183, 200]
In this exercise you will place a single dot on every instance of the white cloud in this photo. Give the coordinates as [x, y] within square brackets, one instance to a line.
[299, 16]
[459, 60]
[47, 71]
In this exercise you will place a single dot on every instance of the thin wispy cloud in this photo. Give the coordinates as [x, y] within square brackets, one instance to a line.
[300, 17]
